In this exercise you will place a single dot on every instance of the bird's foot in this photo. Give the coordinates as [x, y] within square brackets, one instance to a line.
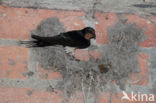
[70, 51]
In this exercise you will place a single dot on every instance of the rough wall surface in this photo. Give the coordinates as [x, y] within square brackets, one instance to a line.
[127, 6]
[122, 58]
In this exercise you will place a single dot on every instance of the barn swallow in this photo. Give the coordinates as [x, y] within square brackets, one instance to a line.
[79, 39]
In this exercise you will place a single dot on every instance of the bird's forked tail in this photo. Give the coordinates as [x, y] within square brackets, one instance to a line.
[37, 42]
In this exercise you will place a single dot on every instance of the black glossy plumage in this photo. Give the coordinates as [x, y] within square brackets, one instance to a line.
[72, 39]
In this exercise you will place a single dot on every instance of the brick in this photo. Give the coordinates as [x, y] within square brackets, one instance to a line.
[96, 54]
[148, 27]
[141, 78]
[153, 19]
[71, 20]
[104, 97]
[48, 74]
[13, 62]
[82, 54]
[26, 95]
[76, 97]
[103, 21]
[16, 23]
[116, 98]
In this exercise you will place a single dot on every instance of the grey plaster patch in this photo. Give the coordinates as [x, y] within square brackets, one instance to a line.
[0, 1]
[152, 74]
[29, 83]
[145, 5]
[154, 87]
[29, 92]
[47, 57]
[122, 52]
[43, 76]
[153, 63]
[119, 6]
[8, 42]
[30, 73]
[11, 62]
[50, 88]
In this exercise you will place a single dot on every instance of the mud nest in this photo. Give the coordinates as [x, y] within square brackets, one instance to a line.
[118, 60]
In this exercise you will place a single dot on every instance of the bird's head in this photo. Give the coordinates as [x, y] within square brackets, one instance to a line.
[89, 33]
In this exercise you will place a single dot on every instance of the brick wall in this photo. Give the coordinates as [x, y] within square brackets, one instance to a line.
[23, 81]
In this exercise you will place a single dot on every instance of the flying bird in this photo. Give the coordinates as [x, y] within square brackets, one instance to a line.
[79, 39]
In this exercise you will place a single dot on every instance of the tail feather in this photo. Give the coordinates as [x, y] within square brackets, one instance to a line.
[30, 44]
[40, 41]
